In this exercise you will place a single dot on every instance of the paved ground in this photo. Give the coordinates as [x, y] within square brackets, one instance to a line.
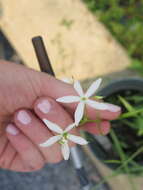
[60, 176]
[52, 177]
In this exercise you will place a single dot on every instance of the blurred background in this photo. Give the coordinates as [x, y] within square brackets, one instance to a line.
[84, 39]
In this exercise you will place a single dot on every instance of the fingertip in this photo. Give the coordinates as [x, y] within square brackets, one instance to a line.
[23, 117]
[114, 115]
[112, 107]
[48, 108]
[103, 114]
[43, 104]
[98, 129]
[11, 129]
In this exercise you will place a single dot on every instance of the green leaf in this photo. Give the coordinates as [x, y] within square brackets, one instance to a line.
[139, 124]
[127, 105]
[135, 98]
[131, 114]
[113, 161]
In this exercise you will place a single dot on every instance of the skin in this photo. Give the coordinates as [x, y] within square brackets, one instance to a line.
[22, 90]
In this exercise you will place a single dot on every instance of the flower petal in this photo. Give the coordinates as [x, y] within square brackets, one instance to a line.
[97, 105]
[70, 127]
[52, 126]
[78, 115]
[78, 88]
[77, 139]
[68, 99]
[92, 89]
[51, 141]
[65, 150]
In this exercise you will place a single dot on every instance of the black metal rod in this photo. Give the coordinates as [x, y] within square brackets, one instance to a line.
[42, 56]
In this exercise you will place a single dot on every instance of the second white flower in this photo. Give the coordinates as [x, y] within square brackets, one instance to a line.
[62, 138]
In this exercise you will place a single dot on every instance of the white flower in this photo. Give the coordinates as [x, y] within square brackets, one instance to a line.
[83, 99]
[62, 138]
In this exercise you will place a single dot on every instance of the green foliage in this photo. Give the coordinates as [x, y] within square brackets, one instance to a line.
[123, 157]
[126, 161]
[126, 158]
[137, 123]
[118, 170]
[124, 19]
[136, 65]
[126, 104]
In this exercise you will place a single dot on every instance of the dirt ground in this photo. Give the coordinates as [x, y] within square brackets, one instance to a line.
[78, 45]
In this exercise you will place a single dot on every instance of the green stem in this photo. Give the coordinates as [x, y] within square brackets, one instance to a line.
[86, 120]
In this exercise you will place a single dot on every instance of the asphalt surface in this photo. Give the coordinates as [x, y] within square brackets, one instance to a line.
[51, 177]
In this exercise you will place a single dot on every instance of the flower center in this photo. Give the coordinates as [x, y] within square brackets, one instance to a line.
[64, 138]
[65, 135]
[83, 98]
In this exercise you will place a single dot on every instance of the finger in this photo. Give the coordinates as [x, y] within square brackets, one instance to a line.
[27, 151]
[20, 166]
[92, 113]
[3, 143]
[7, 156]
[114, 112]
[49, 109]
[60, 89]
[102, 128]
[36, 131]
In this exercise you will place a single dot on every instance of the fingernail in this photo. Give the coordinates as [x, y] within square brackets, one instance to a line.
[44, 106]
[11, 129]
[23, 117]
[113, 108]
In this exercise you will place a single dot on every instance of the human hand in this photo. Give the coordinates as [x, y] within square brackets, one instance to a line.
[20, 87]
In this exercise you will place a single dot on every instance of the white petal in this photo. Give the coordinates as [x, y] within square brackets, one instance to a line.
[65, 151]
[97, 105]
[92, 89]
[77, 139]
[78, 115]
[78, 88]
[68, 99]
[52, 126]
[70, 127]
[51, 141]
